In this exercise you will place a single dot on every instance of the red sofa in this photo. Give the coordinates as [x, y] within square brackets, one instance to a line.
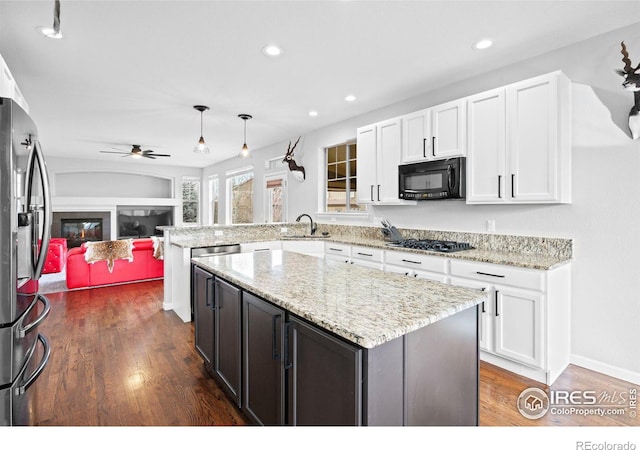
[56, 256]
[143, 267]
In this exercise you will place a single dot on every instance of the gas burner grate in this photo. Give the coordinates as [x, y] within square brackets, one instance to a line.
[435, 245]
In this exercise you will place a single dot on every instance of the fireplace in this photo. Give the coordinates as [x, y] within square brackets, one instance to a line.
[77, 231]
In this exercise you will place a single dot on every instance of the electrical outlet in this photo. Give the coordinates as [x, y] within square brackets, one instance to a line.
[283, 229]
[217, 233]
[491, 225]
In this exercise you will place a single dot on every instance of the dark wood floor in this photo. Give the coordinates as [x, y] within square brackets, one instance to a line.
[119, 359]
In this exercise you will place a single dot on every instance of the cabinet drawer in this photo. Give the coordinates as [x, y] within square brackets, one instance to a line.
[416, 262]
[497, 274]
[367, 253]
[331, 248]
[260, 246]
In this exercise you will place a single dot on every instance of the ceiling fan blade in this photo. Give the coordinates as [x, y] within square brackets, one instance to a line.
[121, 153]
[149, 156]
[159, 154]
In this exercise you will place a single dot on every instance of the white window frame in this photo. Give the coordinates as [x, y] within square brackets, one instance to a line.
[198, 181]
[213, 180]
[229, 194]
[280, 175]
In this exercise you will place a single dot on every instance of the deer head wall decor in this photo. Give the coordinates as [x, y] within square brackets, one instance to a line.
[631, 83]
[296, 170]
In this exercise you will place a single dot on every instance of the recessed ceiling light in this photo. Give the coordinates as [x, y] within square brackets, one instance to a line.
[350, 98]
[483, 44]
[50, 32]
[271, 50]
[313, 113]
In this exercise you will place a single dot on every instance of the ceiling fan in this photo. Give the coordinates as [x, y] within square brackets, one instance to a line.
[137, 152]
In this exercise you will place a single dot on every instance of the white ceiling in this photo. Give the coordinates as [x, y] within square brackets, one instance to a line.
[129, 72]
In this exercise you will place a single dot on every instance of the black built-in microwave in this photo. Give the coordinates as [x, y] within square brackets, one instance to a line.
[433, 180]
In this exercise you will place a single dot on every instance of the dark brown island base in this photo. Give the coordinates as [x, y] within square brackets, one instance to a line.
[296, 340]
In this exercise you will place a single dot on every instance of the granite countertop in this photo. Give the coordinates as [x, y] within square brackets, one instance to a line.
[365, 306]
[517, 259]
[524, 260]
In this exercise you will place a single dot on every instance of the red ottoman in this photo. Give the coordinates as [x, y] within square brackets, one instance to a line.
[56, 256]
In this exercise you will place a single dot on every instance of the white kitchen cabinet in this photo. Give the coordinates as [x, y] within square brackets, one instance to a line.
[520, 142]
[379, 154]
[361, 256]
[434, 133]
[306, 247]
[8, 86]
[525, 324]
[260, 246]
[367, 257]
[417, 137]
[449, 129]
[432, 268]
[519, 328]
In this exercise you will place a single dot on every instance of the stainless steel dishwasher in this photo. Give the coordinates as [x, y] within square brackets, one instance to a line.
[213, 250]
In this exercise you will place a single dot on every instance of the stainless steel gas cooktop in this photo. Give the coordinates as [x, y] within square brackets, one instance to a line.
[432, 245]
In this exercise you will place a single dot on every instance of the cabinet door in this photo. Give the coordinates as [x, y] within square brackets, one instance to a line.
[389, 152]
[519, 329]
[416, 136]
[449, 129]
[486, 139]
[325, 378]
[366, 180]
[227, 359]
[263, 393]
[485, 312]
[532, 140]
[202, 295]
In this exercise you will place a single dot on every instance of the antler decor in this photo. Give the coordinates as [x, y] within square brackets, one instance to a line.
[631, 83]
[296, 170]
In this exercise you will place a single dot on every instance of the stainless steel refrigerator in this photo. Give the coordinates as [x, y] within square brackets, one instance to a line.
[25, 230]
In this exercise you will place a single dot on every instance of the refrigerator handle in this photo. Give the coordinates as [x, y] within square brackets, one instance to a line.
[36, 157]
[20, 390]
[22, 330]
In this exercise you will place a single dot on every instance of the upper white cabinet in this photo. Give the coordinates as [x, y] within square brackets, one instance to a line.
[434, 133]
[9, 88]
[519, 140]
[379, 147]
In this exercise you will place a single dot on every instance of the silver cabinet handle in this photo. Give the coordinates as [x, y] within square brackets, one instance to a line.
[412, 262]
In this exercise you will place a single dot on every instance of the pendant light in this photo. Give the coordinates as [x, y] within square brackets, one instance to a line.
[244, 152]
[54, 32]
[201, 147]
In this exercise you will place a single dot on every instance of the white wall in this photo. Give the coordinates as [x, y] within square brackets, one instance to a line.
[82, 185]
[603, 219]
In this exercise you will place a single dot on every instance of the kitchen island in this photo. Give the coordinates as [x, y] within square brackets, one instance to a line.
[300, 340]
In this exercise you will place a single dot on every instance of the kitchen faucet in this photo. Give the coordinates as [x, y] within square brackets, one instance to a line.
[314, 226]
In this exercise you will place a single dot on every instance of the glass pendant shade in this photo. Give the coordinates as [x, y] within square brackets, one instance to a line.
[244, 152]
[201, 146]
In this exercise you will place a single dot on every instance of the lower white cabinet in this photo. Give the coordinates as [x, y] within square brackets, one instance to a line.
[524, 326]
[260, 246]
[307, 247]
[414, 265]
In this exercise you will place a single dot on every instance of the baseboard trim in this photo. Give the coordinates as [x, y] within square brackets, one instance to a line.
[607, 369]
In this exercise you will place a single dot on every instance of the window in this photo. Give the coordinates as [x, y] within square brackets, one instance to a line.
[190, 200]
[214, 193]
[240, 196]
[341, 179]
[276, 197]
